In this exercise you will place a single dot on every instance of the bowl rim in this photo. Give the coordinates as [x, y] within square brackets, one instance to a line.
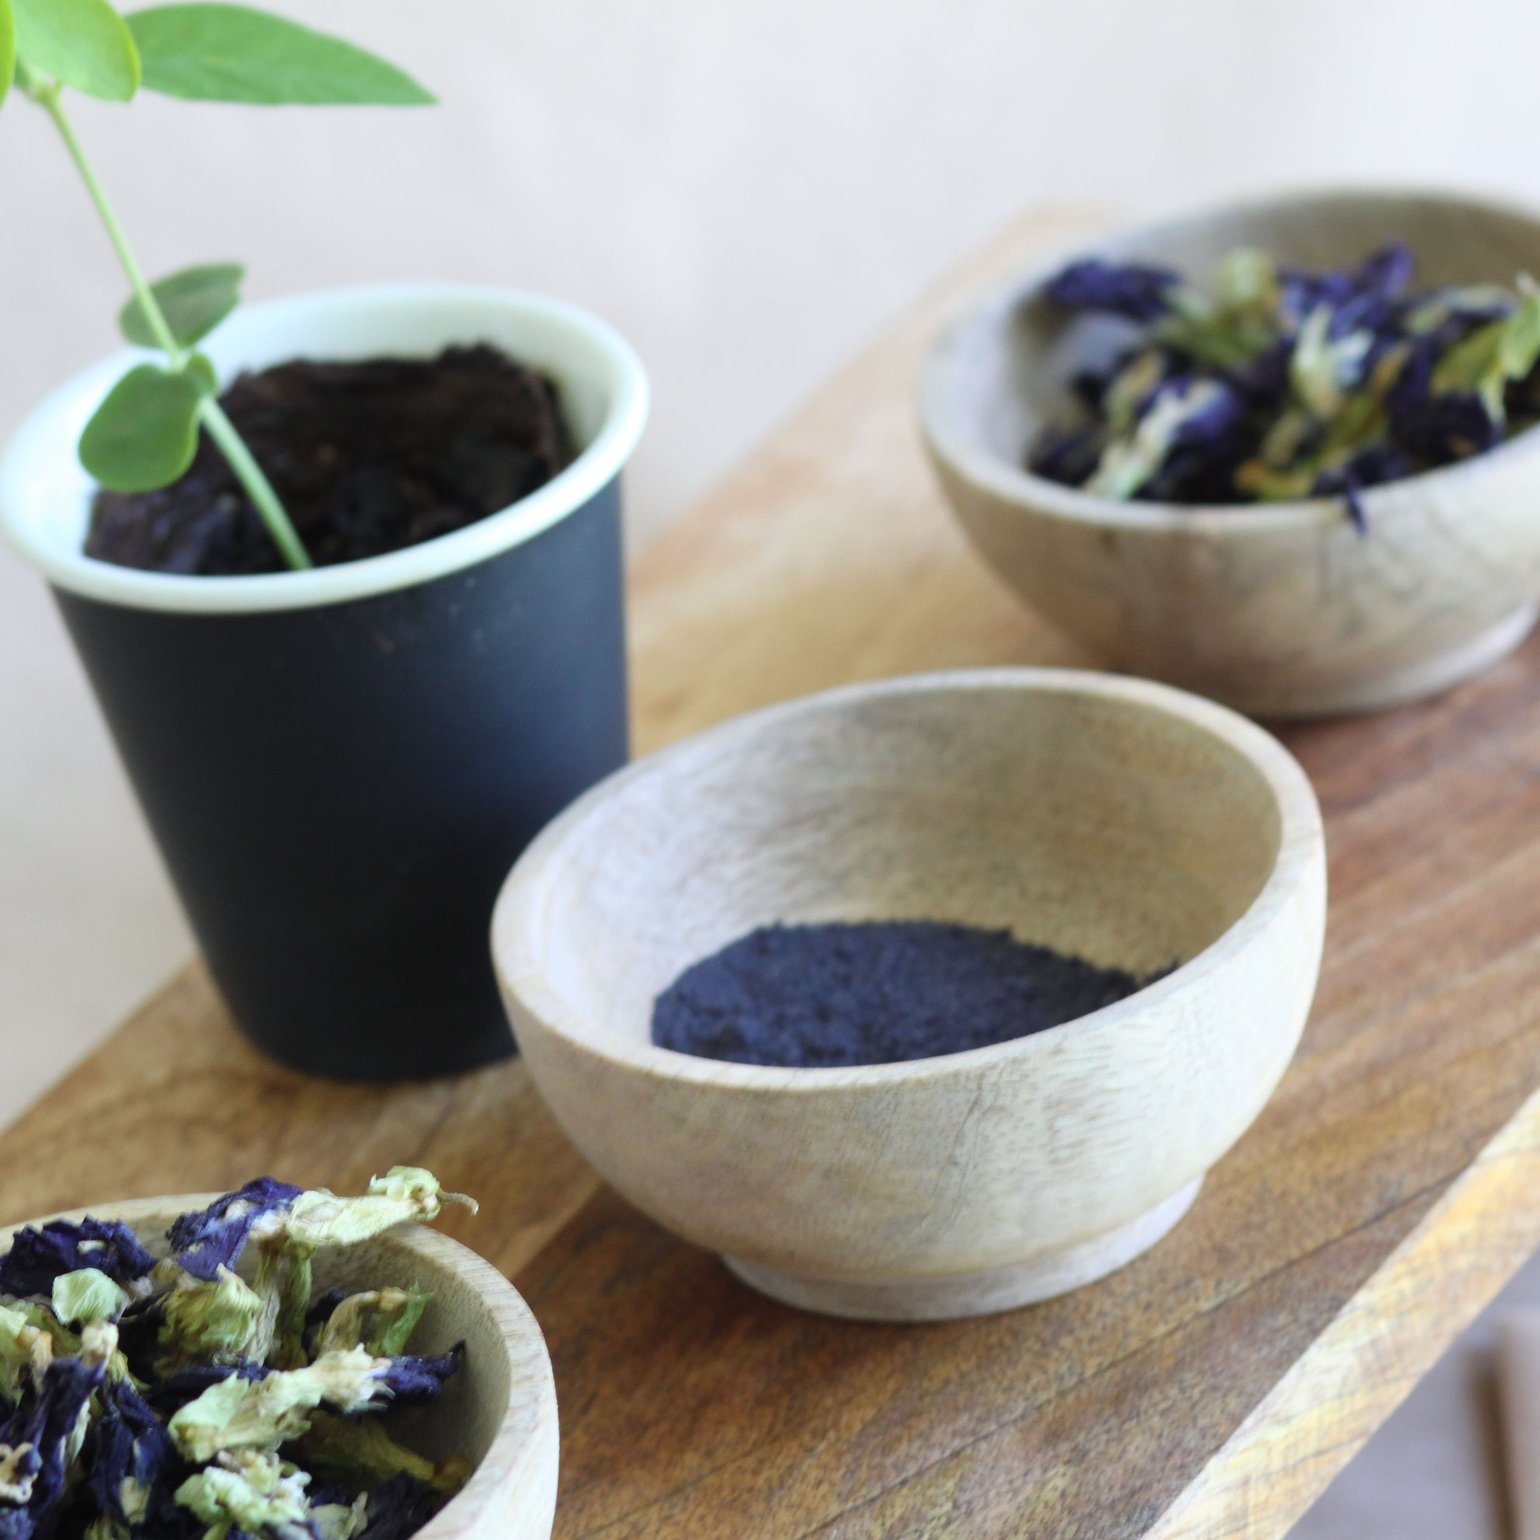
[1300, 860]
[520, 1428]
[958, 448]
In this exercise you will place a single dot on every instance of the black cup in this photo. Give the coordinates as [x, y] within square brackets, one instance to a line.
[340, 787]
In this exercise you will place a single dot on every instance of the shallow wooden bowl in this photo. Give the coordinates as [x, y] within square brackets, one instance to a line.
[1280, 609]
[1118, 819]
[498, 1412]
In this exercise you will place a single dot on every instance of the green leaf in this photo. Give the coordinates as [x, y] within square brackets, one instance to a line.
[144, 435]
[201, 372]
[83, 43]
[7, 47]
[231, 53]
[193, 302]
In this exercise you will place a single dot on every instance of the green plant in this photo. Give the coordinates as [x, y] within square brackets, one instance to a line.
[145, 433]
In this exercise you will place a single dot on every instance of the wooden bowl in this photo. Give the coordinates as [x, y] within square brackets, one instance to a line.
[498, 1412]
[1121, 820]
[1279, 609]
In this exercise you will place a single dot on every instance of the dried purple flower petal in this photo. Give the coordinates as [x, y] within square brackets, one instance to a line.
[399, 1508]
[170, 1394]
[132, 1457]
[1066, 456]
[39, 1255]
[412, 1381]
[1130, 289]
[1442, 428]
[52, 1419]
[204, 1242]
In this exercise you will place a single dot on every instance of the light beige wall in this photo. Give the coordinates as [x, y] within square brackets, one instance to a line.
[747, 187]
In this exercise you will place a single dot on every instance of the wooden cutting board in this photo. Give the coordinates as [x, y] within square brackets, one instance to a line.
[1209, 1390]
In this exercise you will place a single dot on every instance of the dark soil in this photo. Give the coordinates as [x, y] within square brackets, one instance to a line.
[876, 993]
[367, 457]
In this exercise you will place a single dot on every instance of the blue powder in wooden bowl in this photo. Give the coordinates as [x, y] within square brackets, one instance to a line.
[876, 993]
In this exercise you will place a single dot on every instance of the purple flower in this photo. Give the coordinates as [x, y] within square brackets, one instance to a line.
[1263, 380]
[1369, 467]
[169, 1395]
[215, 1238]
[132, 1453]
[1441, 428]
[48, 1419]
[414, 1380]
[1067, 456]
[1137, 292]
[398, 1508]
[38, 1256]
[1361, 298]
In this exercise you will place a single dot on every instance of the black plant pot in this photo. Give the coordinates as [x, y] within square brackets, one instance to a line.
[341, 766]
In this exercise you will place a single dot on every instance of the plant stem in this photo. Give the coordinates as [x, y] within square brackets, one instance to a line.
[219, 427]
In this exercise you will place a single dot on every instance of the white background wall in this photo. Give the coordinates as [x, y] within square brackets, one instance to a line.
[748, 187]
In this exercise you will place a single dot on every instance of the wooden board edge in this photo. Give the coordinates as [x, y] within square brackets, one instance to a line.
[1483, 1228]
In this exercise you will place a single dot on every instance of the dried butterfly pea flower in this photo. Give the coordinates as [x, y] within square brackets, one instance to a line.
[42, 1438]
[216, 1237]
[256, 1494]
[21, 1344]
[398, 1508]
[102, 1467]
[1130, 289]
[1182, 411]
[346, 1519]
[404, 1195]
[381, 1321]
[39, 1255]
[132, 1460]
[222, 1322]
[264, 1414]
[1334, 381]
[173, 1392]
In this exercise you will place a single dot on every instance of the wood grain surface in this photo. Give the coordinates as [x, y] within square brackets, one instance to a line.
[1212, 1388]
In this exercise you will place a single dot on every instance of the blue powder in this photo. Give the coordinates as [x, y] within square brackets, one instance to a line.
[876, 993]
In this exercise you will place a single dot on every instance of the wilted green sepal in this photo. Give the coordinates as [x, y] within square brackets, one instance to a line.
[381, 1321]
[21, 1342]
[256, 1494]
[232, 53]
[87, 1295]
[338, 1521]
[361, 1450]
[404, 1195]
[82, 43]
[224, 1322]
[1495, 354]
[145, 434]
[193, 302]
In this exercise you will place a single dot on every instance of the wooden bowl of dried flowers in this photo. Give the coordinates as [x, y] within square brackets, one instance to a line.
[272, 1361]
[1281, 453]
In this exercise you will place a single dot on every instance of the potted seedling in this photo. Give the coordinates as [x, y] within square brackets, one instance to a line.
[344, 572]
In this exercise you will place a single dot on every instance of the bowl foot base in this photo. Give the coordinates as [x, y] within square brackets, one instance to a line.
[967, 1294]
[1430, 676]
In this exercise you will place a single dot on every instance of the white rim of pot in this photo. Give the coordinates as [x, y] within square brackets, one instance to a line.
[1301, 845]
[957, 443]
[32, 471]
